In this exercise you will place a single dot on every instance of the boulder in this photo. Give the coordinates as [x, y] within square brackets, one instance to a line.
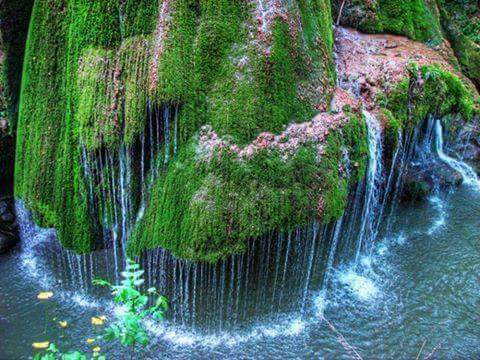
[7, 242]
[420, 180]
[8, 225]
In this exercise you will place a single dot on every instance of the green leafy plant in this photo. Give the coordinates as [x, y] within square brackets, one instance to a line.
[52, 353]
[128, 329]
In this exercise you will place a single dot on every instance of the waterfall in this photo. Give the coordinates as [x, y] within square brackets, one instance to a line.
[273, 276]
[277, 273]
[119, 179]
[374, 182]
[469, 175]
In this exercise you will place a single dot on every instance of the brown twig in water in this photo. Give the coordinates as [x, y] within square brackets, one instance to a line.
[421, 349]
[349, 348]
[340, 12]
[433, 351]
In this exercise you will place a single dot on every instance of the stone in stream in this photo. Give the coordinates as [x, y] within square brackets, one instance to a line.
[8, 226]
[421, 180]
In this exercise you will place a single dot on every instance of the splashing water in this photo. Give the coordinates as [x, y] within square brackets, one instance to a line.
[469, 175]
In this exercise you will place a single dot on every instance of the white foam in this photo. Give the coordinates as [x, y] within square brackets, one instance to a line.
[361, 286]
[320, 303]
[285, 327]
[440, 221]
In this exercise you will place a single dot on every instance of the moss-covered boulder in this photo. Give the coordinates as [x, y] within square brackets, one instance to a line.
[94, 70]
[416, 19]
[219, 194]
[461, 22]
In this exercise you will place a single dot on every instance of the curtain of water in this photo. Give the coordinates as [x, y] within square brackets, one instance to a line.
[116, 178]
[277, 273]
[273, 276]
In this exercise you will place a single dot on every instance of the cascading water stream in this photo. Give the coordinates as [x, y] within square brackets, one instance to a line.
[469, 175]
[374, 181]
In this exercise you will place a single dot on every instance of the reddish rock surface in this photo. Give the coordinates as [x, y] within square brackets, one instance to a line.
[370, 64]
[288, 141]
[366, 65]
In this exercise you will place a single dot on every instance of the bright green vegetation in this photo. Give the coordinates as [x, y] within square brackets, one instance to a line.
[128, 329]
[88, 76]
[63, 94]
[205, 210]
[461, 21]
[48, 173]
[221, 77]
[91, 68]
[427, 91]
[416, 19]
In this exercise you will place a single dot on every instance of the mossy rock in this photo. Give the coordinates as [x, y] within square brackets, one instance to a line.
[416, 19]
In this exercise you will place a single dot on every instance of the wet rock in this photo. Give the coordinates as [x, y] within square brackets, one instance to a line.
[422, 179]
[7, 242]
[3, 206]
[8, 225]
[468, 146]
[7, 217]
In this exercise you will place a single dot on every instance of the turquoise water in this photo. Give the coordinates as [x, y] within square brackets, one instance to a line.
[419, 289]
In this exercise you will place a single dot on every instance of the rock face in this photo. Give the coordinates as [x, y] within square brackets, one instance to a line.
[14, 19]
[431, 22]
[423, 179]
[195, 125]
[373, 65]
[8, 225]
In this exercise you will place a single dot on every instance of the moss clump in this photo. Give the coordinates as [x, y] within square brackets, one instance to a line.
[428, 91]
[112, 94]
[206, 210]
[241, 86]
[416, 19]
[238, 84]
[461, 22]
[94, 116]
[55, 111]
[431, 91]
[87, 84]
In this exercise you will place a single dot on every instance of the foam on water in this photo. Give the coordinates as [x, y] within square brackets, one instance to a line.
[440, 221]
[286, 327]
[34, 237]
[320, 302]
[361, 286]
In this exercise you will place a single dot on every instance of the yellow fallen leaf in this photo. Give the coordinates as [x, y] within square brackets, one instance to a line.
[97, 321]
[96, 349]
[41, 345]
[102, 317]
[45, 295]
[90, 341]
[63, 324]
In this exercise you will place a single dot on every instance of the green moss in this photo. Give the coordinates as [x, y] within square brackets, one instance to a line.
[55, 111]
[416, 19]
[461, 23]
[207, 210]
[87, 83]
[429, 91]
[393, 127]
[220, 76]
[94, 116]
